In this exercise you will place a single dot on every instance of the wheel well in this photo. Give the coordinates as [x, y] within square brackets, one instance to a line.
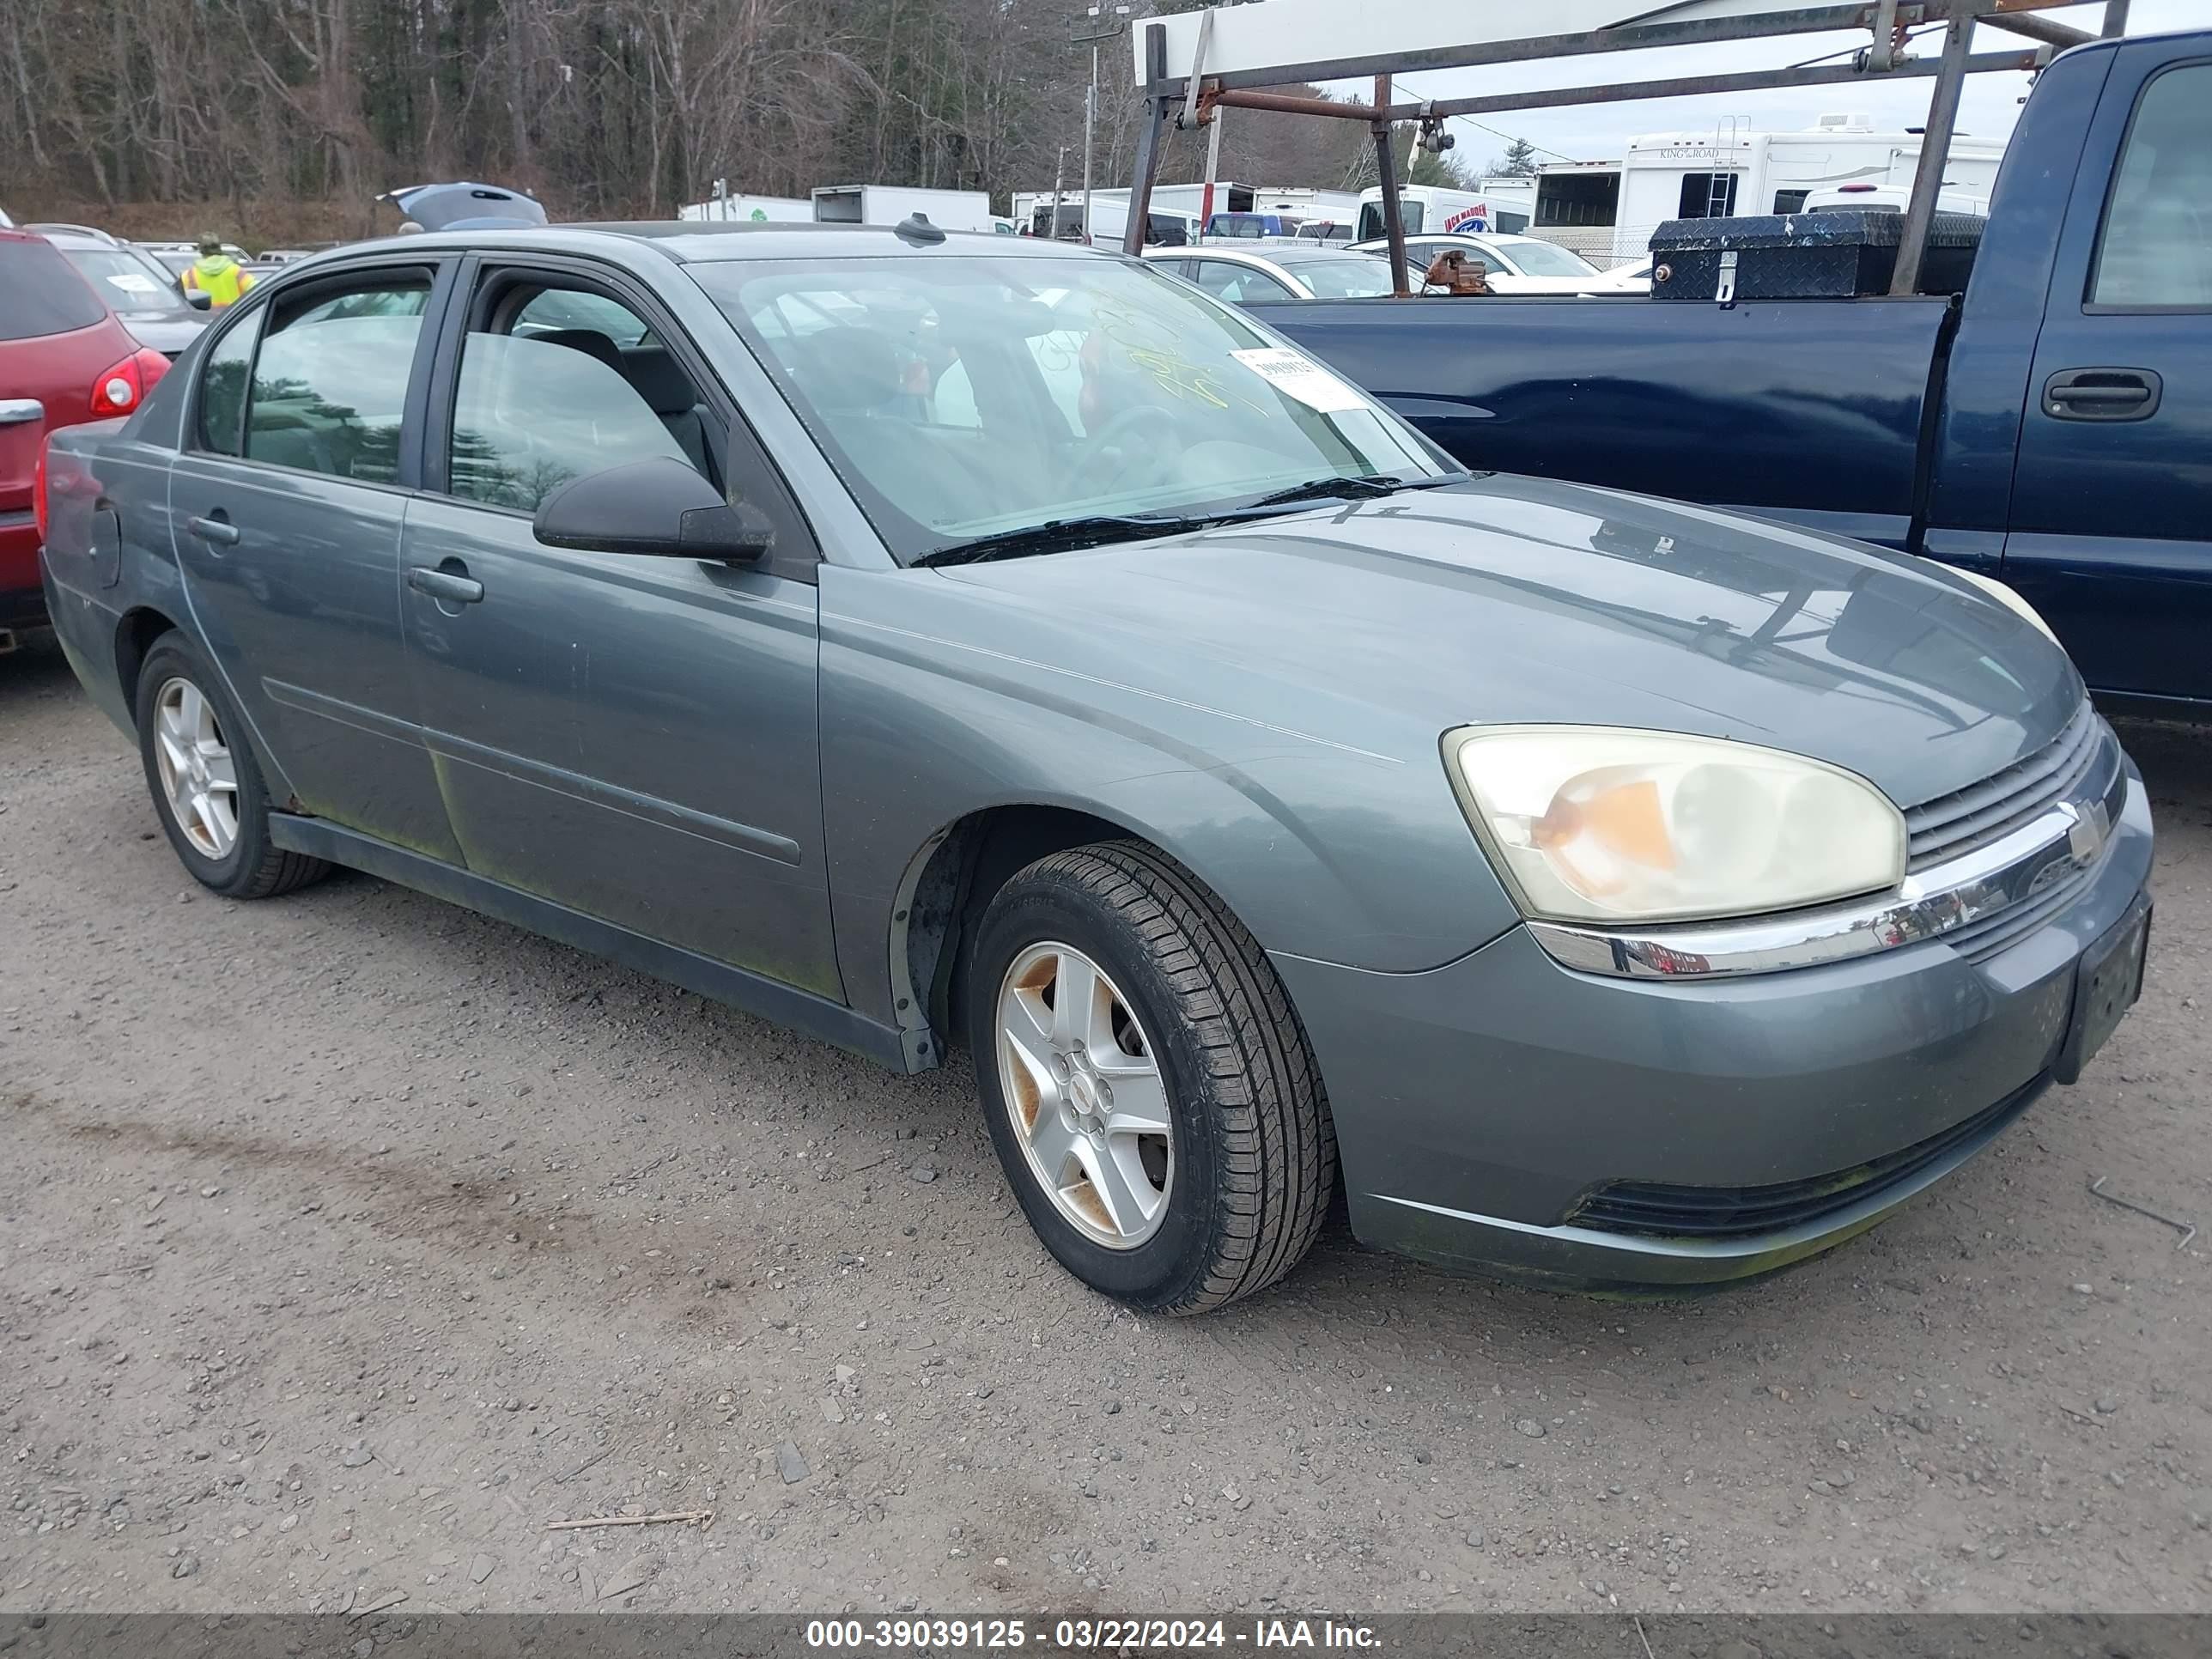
[941, 901]
[134, 638]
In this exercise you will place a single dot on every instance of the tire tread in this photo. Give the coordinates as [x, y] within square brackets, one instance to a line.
[1279, 1165]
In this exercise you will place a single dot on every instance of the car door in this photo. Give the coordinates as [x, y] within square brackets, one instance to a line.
[286, 503]
[633, 738]
[2109, 535]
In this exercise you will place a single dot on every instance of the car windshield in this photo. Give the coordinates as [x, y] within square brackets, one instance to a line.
[1539, 258]
[125, 281]
[962, 396]
[1340, 277]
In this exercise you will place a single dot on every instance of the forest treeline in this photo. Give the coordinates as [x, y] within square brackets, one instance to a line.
[603, 108]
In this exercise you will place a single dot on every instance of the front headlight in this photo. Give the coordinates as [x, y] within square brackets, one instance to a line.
[2008, 597]
[1606, 824]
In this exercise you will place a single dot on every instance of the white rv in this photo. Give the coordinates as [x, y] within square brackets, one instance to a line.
[1504, 205]
[1607, 210]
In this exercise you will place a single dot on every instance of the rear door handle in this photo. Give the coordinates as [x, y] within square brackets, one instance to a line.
[14, 412]
[450, 586]
[219, 532]
[2102, 394]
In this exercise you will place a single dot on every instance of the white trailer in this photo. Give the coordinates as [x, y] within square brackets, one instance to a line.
[753, 209]
[887, 204]
[1606, 211]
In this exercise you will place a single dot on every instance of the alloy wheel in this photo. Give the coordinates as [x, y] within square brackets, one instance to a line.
[199, 778]
[1083, 1088]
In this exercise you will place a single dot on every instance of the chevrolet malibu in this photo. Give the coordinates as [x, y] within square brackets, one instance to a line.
[929, 643]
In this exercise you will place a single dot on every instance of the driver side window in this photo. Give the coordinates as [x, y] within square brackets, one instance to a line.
[575, 383]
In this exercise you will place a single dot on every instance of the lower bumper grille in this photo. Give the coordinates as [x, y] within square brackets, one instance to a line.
[1719, 1212]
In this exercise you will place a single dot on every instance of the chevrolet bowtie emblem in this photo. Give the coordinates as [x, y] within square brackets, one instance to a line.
[2085, 839]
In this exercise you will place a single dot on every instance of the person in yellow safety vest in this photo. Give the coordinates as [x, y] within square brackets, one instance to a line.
[216, 274]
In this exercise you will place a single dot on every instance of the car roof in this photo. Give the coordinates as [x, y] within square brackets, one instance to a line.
[684, 241]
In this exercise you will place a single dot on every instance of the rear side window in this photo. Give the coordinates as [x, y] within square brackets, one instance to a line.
[222, 387]
[331, 383]
[2155, 248]
[44, 295]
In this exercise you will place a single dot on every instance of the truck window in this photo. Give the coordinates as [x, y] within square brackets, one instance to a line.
[2155, 246]
[1791, 201]
[1708, 196]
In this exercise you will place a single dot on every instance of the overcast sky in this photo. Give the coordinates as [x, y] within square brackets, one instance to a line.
[1601, 131]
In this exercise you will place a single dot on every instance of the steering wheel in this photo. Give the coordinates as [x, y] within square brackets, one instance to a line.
[1106, 457]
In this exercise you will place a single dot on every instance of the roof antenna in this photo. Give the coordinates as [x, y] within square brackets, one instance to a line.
[916, 228]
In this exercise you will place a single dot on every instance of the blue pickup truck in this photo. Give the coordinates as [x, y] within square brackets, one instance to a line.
[2052, 425]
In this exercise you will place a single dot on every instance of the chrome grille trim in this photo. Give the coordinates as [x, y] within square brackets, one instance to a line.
[1986, 811]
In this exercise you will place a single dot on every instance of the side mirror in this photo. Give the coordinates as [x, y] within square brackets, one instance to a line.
[196, 298]
[660, 508]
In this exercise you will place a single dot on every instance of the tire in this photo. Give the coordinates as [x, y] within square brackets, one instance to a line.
[1240, 1183]
[225, 845]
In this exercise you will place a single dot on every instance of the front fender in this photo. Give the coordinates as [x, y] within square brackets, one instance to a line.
[936, 702]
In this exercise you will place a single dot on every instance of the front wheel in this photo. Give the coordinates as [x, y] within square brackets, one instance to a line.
[1149, 1089]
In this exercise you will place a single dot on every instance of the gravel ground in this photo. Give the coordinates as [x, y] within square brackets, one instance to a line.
[350, 1238]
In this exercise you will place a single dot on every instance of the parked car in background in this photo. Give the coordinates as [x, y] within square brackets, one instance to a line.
[1275, 271]
[137, 287]
[1251, 227]
[64, 359]
[1335, 232]
[1512, 264]
[978, 635]
[2050, 425]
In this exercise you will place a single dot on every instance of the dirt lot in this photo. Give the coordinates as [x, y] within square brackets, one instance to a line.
[350, 1238]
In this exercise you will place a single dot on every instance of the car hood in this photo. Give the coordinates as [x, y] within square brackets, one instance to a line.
[1384, 623]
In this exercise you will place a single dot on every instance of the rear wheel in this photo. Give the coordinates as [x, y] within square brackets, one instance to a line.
[206, 784]
[1149, 1090]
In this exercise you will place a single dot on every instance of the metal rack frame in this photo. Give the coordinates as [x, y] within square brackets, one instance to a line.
[1191, 99]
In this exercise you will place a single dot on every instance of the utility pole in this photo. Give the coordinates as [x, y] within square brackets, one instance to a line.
[1106, 24]
[1059, 176]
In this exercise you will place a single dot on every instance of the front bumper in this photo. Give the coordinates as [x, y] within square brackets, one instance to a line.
[1483, 1107]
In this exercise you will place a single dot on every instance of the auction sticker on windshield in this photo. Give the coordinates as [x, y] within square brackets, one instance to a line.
[1302, 379]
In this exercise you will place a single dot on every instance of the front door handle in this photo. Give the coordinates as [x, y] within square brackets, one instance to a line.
[216, 531]
[446, 586]
[2102, 394]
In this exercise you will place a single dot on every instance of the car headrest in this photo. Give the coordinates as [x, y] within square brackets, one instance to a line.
[659, 380]
[589, 341]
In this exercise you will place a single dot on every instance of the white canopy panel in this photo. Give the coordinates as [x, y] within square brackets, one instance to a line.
[1290, 35]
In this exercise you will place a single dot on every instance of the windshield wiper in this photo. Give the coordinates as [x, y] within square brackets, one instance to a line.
[1059, 536]
[1352, 486]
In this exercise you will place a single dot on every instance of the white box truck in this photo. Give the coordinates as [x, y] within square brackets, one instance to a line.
[754, 209]
[886, 205]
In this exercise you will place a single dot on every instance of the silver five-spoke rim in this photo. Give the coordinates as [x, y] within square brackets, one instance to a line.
[198, 773]
[1086, 1094]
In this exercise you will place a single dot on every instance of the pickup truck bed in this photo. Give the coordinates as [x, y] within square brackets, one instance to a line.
[1808, 410]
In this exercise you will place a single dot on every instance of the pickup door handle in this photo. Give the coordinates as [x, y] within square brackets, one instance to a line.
[452, 587]
[2102, 394]
[218, 532]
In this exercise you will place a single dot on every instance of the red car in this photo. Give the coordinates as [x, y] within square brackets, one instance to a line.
[63, 359]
